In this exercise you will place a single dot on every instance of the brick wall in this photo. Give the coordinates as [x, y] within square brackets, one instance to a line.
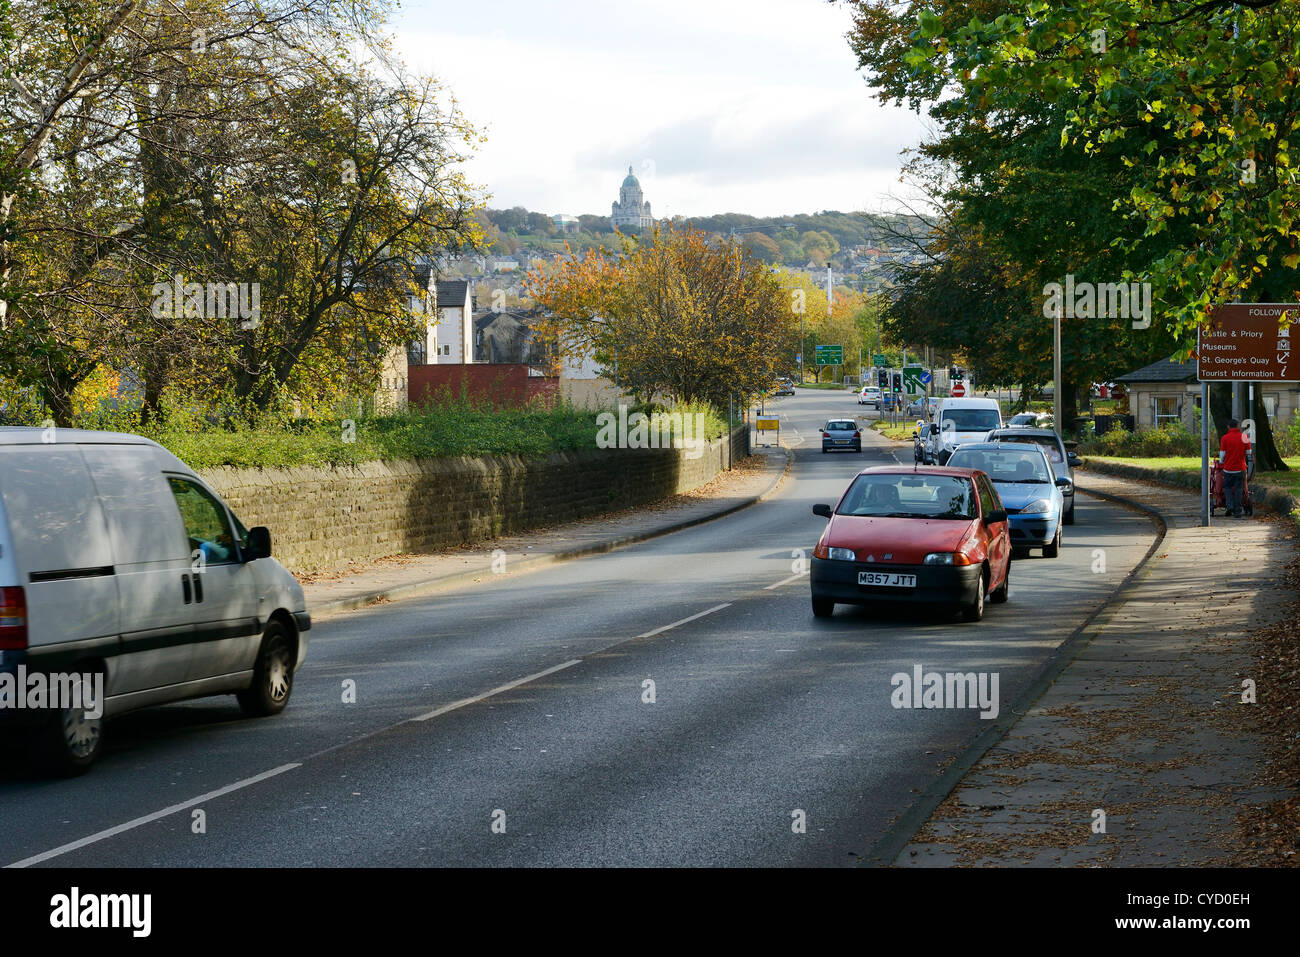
[502, 384]
[322, 519]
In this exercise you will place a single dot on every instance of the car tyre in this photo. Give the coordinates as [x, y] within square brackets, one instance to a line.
[272, 674]
[1053, 550]
[1069, 516]
[1000, 595]
[975, 610]
[68, 742]
[822, 607]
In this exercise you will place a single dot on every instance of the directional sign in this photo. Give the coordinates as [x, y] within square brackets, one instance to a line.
[1244, 342]
[958, 390]
[879, 360]
[829, 355]
[912, 382]
[926, 377]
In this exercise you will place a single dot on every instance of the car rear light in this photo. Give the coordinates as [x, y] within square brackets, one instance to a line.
[857, 433]
[13, 618]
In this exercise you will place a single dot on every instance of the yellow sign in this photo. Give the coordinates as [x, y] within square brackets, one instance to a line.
[768, 423]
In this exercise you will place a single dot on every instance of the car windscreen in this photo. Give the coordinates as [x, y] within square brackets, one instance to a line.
[1046, 442]
[1005, 465]
[909, 495]
[844, 426]
[970, 420]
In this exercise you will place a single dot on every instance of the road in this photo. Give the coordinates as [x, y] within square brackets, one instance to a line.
[759, 712]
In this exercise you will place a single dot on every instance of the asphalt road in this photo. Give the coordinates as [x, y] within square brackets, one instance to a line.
[759, 712]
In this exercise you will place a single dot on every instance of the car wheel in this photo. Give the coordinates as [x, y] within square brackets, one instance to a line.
[1001, 593]
[822, 607]
[825, 450]
[1019, 551]
[69, 741]
[1069, 516]
[1054, 549]
[975, 610]
[857, 448]
[272, 675]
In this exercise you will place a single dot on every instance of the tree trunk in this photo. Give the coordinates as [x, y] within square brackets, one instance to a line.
[1267, 457]
[58, 400]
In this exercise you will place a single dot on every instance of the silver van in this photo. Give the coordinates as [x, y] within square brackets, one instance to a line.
[120, 570]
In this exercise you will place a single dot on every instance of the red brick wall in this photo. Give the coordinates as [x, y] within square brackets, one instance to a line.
[501, 384]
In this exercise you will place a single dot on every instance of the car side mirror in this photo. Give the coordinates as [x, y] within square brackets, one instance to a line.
[1063, 482]
[934, 428]
[995, 516]
[823, 510]
[259, 543]
[1073, 459]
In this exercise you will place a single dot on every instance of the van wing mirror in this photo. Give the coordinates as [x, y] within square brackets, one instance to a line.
[259, 543]
[934, 428]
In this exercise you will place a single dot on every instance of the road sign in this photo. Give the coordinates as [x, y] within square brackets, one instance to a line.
[828, 355]
[1243, 342]
[958, 390]
[926, 377]
[912, 383]
[879, 360]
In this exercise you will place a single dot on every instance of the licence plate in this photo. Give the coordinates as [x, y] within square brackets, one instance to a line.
[887, 579]
[841, 441]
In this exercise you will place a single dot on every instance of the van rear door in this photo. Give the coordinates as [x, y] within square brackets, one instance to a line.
[154, 578]
[62, 556]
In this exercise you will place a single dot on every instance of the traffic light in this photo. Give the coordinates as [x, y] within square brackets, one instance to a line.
[954, 372]
[898, 382]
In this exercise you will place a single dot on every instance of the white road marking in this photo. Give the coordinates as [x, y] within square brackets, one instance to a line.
[495, 691]
[786, 581]
[150, 818]
[709, 611]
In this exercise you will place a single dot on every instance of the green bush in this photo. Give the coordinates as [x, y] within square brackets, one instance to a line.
[1171, 439]
[1287, 436]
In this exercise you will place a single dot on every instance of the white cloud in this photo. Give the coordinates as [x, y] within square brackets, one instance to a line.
[718, 105]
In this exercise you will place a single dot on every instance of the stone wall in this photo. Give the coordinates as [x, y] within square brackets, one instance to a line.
[323, 518]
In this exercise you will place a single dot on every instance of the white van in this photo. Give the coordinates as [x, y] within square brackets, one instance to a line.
[118, 566]
[957, 421]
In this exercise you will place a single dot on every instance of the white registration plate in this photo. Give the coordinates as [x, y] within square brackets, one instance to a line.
[886, 579]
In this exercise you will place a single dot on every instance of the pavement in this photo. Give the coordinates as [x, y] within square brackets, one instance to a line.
[407, 576]
[1136, 747]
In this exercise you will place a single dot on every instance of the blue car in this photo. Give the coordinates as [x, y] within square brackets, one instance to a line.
[1030, 491]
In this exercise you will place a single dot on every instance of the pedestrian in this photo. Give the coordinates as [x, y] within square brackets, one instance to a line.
[1232, 453]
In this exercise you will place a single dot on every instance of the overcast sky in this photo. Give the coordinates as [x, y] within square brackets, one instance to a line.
[751, 106]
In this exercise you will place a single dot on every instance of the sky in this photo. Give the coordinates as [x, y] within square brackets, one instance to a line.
[717, 105]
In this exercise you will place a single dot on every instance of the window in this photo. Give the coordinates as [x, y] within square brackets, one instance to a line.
[205, 521]
[1049, 444]
[989, 500]
[1167, 408]
[1270, 405]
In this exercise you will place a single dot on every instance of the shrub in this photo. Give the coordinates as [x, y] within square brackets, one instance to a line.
[1171, 439]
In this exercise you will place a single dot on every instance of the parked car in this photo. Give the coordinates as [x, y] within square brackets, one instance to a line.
[1027, 487]
[918, 406]
[119, 564]
[841, 434]
[870, 395]
[784, 388]
[958, 421]
[1059, 457]
[925, 536]
[1028, 420]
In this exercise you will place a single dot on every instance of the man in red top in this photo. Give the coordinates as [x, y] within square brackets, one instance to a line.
[1233, 448]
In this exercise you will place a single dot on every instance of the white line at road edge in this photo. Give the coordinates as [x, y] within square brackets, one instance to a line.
[487, 694]
[785, 581]
[149, 818]
[707, 611]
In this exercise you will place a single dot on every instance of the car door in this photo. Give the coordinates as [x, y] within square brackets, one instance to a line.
[152, 563]
[999, 532]
[226, 627]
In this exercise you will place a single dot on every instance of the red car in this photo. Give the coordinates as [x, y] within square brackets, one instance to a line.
[926, 535]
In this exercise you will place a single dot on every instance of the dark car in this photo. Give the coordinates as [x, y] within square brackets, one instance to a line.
[926, 536]
[841, 434]
[1061, 460]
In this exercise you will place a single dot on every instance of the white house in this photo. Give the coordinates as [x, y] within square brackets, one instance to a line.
[451, 336]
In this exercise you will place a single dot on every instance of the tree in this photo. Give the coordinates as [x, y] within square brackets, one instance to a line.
[692, 318]
[762, 246]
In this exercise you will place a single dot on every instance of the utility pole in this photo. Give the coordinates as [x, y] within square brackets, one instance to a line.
[1056, 371]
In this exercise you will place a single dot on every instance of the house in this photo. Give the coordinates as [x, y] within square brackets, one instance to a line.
[507, 335]
[451, 335]
[1167, 391]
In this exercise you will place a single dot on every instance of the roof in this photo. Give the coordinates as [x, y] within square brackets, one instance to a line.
[452, 292]
[1166, 370]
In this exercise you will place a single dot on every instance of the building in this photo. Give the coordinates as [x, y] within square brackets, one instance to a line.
[1167, 391]
[507, 336]
[565, 223]
[449, 332]
[631, 209]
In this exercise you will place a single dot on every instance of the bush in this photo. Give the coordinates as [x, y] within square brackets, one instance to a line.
[1171, 439]
[1287, 436]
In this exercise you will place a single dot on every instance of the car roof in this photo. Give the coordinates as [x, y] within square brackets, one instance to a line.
[27, 435]
[1023, 430]
[919, 470]
[998, 447]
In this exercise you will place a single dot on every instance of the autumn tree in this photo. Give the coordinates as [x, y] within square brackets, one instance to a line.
[695, 318]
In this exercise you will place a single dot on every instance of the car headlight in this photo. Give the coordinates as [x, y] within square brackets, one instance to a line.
[1041, 505]
[841, 555]
[938, 558]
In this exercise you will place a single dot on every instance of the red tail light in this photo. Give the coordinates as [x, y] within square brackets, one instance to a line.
[857, 433]
[13, 619]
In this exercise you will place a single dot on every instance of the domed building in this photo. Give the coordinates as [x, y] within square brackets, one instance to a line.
[631, 210]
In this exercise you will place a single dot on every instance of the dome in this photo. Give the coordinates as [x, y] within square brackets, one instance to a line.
[631, 180]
